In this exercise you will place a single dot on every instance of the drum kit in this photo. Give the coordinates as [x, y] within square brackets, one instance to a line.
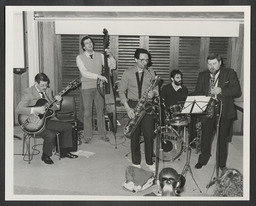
[175, 133]
[173, 138]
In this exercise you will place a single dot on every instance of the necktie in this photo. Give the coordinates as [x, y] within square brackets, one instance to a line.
[139, 83]
[211, 104]
[43, 96]
[91, 55]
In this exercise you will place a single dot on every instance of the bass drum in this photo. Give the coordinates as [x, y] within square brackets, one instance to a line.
[172, 144]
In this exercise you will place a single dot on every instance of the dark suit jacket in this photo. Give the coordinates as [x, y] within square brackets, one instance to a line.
[29, 99]
[230, 86]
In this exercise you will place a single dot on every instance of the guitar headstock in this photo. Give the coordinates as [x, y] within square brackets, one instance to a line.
[106, 38]
[74, 84]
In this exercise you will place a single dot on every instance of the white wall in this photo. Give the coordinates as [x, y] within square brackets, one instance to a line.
[150, 27]
[18, 40]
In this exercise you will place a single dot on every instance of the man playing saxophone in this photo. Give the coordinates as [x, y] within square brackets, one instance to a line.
[134, 84]
[221, 84]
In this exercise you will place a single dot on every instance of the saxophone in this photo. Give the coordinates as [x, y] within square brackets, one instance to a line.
[210, 111]
[141, 108]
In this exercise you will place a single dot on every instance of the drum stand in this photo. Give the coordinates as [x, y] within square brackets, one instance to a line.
[187, 167]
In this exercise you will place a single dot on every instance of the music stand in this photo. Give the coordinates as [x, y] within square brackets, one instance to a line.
[193, 105]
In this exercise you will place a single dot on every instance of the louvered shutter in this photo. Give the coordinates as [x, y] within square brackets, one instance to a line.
[69, 71]
[126, 48]
[188, 60]
[98, 43]
[159, 48]
[70, 48]
[219, 45]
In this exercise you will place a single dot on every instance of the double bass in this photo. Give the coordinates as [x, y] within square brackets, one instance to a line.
[109, 92]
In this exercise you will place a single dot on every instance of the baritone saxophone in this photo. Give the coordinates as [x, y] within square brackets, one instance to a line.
[141, 108]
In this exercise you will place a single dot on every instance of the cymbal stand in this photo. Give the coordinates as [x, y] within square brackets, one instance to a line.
[187, 167]
[198, 135]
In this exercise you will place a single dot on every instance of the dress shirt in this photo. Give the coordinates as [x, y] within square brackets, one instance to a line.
[40, 93]
[128, 84]
[86, 73]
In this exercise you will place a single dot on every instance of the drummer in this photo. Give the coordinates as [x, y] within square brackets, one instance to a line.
[174, 93]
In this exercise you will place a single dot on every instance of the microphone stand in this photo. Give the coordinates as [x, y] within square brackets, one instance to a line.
[187, 167]
[218, 114]
[159, 133]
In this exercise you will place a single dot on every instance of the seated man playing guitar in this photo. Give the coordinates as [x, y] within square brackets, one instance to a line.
[36, 106]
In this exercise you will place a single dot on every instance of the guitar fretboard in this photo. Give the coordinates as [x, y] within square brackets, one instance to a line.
[71, 85]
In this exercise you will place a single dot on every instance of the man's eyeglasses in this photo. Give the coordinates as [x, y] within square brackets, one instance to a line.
[144, 60]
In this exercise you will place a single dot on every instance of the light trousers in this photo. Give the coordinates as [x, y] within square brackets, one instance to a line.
[91, 96]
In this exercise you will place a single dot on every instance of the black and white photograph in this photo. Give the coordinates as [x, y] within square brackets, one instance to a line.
[130, 103]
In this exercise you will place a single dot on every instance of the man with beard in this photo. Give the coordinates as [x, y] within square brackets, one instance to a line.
[174, 93]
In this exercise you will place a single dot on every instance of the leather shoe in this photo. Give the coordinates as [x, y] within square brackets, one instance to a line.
[106, 139]
[223, 168]
[69, 155]
[199, 166]
[46, 159]
[87, 140]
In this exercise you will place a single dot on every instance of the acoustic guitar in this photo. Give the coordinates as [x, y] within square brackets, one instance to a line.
[35, 123]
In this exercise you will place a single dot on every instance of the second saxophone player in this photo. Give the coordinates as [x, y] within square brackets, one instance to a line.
[135, 81]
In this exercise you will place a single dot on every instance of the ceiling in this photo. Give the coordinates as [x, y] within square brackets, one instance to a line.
[138, 14]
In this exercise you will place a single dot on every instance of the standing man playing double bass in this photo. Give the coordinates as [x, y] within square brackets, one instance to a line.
[90, 66]
[225, 88]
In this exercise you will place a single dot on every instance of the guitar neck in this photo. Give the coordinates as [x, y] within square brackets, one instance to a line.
[60, 94]
[48, 104]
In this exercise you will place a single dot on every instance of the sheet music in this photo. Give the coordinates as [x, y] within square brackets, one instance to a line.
[199, 104]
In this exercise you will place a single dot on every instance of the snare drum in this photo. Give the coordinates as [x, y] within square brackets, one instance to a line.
[177, 119]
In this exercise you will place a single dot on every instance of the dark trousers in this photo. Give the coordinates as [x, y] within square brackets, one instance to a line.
[208, 128]
[49, 136]
[146, 127]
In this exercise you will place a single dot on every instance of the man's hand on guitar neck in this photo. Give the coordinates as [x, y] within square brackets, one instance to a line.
[58, 98]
